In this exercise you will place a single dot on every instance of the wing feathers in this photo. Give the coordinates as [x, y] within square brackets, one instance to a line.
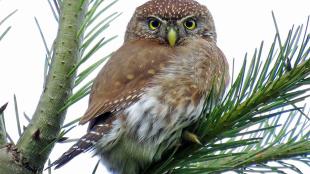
[124, 77]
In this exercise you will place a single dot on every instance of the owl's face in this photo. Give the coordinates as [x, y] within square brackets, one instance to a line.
[171, 22]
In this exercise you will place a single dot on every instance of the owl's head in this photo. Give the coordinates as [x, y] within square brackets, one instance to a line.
[171, 22]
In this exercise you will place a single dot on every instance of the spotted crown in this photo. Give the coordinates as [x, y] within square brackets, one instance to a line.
[172, 9]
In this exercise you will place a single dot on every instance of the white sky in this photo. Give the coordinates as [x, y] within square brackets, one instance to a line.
[241, 26]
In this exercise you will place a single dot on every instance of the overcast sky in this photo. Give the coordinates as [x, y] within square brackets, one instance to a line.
[241, 26]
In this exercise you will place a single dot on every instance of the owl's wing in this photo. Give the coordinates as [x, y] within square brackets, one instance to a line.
[124, 77]
[118, 84]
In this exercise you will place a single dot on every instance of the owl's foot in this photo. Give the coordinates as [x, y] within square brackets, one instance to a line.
[191, 137]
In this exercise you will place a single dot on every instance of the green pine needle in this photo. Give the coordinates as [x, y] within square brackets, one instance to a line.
[8, 28]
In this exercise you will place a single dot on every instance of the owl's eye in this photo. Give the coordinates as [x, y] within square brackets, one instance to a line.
[190, 24]
[154, 24]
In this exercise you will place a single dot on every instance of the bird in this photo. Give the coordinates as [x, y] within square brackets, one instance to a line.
[153, 87]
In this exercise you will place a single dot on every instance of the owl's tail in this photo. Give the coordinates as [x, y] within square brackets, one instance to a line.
[84, 144]
[87, 142]
[97, 128]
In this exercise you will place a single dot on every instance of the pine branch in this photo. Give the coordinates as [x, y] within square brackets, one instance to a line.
[47, 120]
[243, 128]
[7, 163]
[90, 46]
[36, 143]
[68, 52]
[234, 161]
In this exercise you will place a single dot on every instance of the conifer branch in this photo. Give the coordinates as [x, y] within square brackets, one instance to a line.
[37, 141]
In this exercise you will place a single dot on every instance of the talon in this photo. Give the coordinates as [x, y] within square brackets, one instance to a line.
[191, 137]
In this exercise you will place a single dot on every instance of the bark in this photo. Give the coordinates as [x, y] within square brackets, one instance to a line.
[9, 164]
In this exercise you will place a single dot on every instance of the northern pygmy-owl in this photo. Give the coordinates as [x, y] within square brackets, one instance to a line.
[153, 87]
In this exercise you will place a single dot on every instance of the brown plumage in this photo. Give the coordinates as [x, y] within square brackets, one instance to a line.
[172, 9]
[153, 86]
[126, 85]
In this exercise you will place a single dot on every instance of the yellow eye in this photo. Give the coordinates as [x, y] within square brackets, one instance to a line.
[190, 24]
[154, 23]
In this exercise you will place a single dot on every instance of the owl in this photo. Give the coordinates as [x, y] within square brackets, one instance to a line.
[153, 87]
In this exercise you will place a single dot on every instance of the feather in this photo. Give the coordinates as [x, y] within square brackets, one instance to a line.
[87, 142]
[125, 76]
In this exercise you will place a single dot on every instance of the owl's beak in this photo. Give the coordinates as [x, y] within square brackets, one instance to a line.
[172, 36]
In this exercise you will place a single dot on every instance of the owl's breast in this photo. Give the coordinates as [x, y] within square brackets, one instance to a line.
[154, 123]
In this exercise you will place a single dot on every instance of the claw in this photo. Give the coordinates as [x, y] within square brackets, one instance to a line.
[191, 137]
